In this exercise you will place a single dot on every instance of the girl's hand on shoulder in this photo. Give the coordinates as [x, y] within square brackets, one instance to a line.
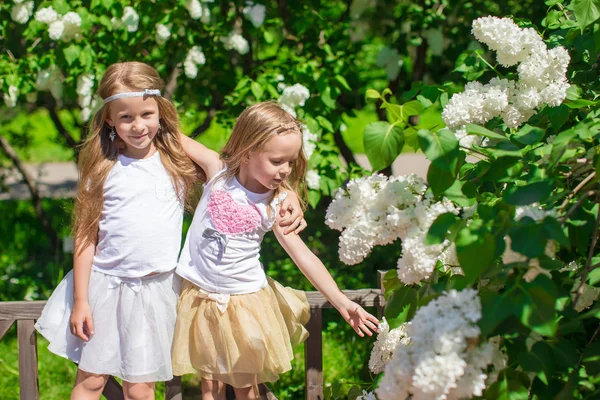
[291, 215]
[81, 322]
[358, 318]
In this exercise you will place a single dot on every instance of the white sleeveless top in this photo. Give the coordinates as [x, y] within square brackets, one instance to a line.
[221, 250]
[142, 217]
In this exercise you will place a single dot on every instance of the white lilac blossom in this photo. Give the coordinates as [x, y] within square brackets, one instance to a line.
[205, 19]
[541, 79]
[56, 29]
[255, 13]
[163, 33]
[375, 211]
[130, 19]
[85, 86]
[86, 112]
[194, 58]
[309, 140]
[367, 396]
[194, 8]
[294, 96]
[50, 79]
[386, 344]
[21, 12]
[443, 359]
[533, 211]
[11, 96]
[72, 24]
[312, 179]
[46, 15]
[236, 42]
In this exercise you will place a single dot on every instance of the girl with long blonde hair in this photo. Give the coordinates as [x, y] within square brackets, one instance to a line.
[114, 313]
[235, 325]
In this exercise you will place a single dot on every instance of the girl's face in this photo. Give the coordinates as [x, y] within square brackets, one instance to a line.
[136, 121]
[267, 168]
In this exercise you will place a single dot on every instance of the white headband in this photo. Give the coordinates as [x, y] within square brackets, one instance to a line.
[146, 92]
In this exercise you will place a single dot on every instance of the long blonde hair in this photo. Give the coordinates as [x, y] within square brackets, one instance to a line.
[99, 154]
[253, 128]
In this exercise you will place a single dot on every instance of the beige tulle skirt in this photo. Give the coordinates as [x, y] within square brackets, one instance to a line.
[249, 342]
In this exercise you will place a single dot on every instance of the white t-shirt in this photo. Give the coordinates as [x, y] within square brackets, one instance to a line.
[141, 221]
[221, 250]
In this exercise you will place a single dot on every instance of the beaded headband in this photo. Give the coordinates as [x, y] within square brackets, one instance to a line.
[292, 126]
[146, 92]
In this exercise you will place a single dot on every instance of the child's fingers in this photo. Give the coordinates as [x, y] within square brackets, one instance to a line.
[79, 331]
[90, 324]
[366, 330]
[292, 226]
[371, 325]
[303, 224]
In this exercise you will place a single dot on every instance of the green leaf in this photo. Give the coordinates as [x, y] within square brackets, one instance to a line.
[268, 36]
[580, 103]
[86, 58]
[539, 360]
[383, 143]
[438, 231]
[473, 129]
[511, 385]
[537, 309]
[326, 98]
[411, 108]
[456, 194]
[558, 115]
[257, 90]
[354, 392]
[439, 179]
[475, 252]
[560, 145]
[495, 309]
[529, 134]
[324, 122]
[527, 239]
[401, 306]
[72, 53]
[527, 194]
[372, 95]
[60, 6]
[343, 82]
[242, 83]
[314, 196]
[554, 230]
[591, 359]
[440, 147]
[586, 12]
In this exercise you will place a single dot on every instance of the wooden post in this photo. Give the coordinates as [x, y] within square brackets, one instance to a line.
[5, 326]
[313, 356]
[380, 275]
[28, 369]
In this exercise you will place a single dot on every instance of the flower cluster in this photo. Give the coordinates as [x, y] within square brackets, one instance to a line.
[367, 396]
[236, 42]
[541, 72]
[255, 13]
[50, 79]
[443, 359]
[85, 90]
[130, 20]
[375, 211]
[163, 33]
[11, 96]
[194, 58]
[21, 11]
[312, 179]
[309, 141]
[65, 27]
[386, 343]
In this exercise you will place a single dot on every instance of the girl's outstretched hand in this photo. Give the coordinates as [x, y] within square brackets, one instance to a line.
[81, 322]
[358, 318]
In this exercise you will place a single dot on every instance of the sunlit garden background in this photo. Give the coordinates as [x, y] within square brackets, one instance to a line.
[492, 252]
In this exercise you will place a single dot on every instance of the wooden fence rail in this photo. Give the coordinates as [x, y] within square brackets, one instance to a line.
[24, 313]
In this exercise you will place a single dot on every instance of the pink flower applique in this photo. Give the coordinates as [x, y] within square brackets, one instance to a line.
[230, 217]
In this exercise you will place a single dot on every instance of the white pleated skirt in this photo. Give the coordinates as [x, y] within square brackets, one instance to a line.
[134, 320]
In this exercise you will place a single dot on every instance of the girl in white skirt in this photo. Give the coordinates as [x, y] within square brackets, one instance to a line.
[235, 325]
[114, 313]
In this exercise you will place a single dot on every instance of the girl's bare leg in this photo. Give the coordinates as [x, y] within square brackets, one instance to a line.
[88, 386]
[139, 391]
[213, 390]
